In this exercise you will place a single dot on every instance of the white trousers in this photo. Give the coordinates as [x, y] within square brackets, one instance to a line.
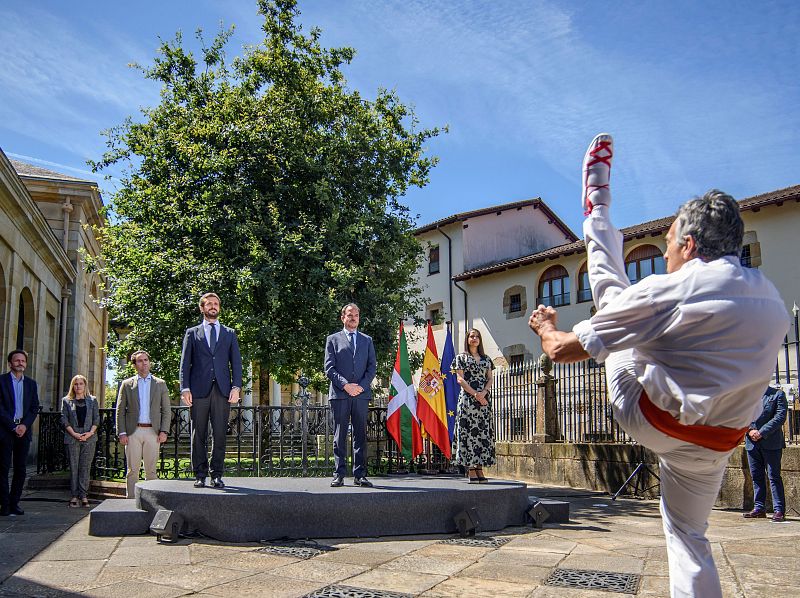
[142, 447]
[690, 475]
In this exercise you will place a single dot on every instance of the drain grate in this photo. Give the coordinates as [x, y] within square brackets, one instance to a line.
[479, 542]
[335, 591]
[301, 549]
[608, 581]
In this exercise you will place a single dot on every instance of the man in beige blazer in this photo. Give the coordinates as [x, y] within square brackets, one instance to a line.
[143, 419]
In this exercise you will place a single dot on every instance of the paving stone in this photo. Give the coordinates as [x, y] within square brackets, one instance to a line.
[427, 564]
[772, 590]
[455, 551]
[316, 570]
[762, 547]
[150, 553]
[654, 585]
[778, 571]
[206, 552]
[78, 550]
[250, 561]
[144, 590]
[541, 543]
[470, 587]
[396, 581]
[64, 575]
[524, 558]
[191, 577]
[392, 547]
[523, 574]
[264, 584]
[356, 556]
[597, 562]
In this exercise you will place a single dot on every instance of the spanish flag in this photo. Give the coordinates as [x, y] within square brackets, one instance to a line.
[431, 407]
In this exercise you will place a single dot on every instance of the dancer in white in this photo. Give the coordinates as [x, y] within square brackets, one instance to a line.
[688, 354]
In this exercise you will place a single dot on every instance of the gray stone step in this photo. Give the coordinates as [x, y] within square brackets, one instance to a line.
[119, 517]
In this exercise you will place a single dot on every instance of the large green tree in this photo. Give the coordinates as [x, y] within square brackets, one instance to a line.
[269, 181]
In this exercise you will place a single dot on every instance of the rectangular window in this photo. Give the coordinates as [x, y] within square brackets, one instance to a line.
[515, 303]
[515, 364]
[746, 258]
[436, 316]
[433, 260]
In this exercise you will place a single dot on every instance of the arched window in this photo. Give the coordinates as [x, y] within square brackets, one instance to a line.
[644, 261]
[25, 321]
[2, 304]
[554, 287]
[584, 290]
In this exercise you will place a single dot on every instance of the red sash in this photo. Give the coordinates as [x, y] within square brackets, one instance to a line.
[715, 438]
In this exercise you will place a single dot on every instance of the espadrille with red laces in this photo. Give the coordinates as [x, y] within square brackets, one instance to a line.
[597, 173]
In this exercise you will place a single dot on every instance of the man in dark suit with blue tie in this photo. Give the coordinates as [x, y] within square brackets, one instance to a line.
[211, 379]
[764, 443]
[350, 366]
[19, 407]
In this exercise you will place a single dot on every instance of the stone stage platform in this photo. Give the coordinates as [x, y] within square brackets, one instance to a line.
[253, 509]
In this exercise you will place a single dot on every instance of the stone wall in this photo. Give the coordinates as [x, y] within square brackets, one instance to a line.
[605, 467]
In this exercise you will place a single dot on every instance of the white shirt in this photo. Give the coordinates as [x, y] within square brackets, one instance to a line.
[704, 339]
[143, 386]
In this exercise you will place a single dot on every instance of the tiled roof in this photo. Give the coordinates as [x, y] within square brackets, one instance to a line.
[653, 227]
[29, 170]
[536, 201]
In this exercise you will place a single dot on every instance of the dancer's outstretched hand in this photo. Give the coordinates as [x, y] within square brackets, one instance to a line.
[543, 318]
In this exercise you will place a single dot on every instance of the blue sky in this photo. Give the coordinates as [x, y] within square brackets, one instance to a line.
[697, 94]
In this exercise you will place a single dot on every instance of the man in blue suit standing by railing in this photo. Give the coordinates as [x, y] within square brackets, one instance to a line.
[350, 365]
[764, 443]
[211, 379]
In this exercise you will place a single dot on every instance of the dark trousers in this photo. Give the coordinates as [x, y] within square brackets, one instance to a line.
[214, 407]
[346, 411]
[13, 452]
[770, 459]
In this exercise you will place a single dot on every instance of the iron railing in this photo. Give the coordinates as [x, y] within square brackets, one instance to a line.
[291, 440]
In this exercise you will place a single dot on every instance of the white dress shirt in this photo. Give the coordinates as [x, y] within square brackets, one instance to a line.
[354, 337]
[704, 339]
[143, 386]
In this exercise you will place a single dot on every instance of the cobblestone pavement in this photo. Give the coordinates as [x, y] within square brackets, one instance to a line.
[48, 552]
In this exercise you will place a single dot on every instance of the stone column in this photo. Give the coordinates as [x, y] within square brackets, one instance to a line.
[546, 407]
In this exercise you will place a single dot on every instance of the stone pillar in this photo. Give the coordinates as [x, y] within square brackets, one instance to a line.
[546, 407]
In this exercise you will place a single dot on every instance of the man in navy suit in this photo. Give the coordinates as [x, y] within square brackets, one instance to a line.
[211, 379]
[764, 443]
[19, 407]
[350, 366]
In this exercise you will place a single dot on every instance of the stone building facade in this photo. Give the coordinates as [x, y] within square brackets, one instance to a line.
[48, 301]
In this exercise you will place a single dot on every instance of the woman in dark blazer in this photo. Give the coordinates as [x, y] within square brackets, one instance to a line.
[80, 416]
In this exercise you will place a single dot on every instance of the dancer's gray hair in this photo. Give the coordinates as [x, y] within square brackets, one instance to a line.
[714, 223]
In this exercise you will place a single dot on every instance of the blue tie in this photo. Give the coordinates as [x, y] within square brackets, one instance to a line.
[213, 337]
[352, 336]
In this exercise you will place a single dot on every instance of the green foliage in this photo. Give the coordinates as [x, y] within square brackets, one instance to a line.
[269, 182]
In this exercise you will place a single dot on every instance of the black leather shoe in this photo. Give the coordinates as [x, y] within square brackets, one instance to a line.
[15, 510]
[337, 482]
[363, 482]
[200, 483]
[217, 483]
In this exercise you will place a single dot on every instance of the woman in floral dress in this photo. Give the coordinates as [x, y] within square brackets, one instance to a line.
[474, 437]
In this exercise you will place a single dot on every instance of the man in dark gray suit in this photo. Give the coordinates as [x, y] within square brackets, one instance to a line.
[350, 366]
[211, 379]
